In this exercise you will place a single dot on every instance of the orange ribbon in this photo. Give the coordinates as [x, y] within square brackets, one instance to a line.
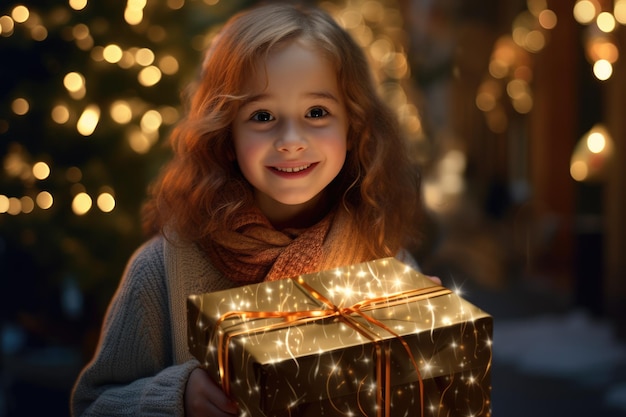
[346, 315]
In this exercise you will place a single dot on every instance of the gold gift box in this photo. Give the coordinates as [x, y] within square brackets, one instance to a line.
[371, 339]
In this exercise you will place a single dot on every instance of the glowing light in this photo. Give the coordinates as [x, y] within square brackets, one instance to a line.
[592, 155]
[80, 31]
[81, 204]
[15, 206]
[596, 142]
[547, 19]
[121, 112]
[106, 202]
[606, 22]
[169, 114]
[7, 25]
[27, 204]
[584, 11]
[579, 171]
[619, 11]
[41, 170]
[20, 106]
[60, 114]
[20, 14]
[78, 4]
[44, 200]
[601, 48]
[602, 69]
[133, 14]
[112, 53]
[144, 57]
[149, 76]
[74, 82]
[88, 120]
[175, 4]
[168, 65]
[4, 203]
[139, 141]
[39, 33]
[151, 121]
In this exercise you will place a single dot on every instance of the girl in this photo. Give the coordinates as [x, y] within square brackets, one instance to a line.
[286, 163]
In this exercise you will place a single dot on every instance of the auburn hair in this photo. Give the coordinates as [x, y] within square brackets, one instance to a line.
[201, 188]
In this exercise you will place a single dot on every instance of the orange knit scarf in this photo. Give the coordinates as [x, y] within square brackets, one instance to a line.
[252, 250]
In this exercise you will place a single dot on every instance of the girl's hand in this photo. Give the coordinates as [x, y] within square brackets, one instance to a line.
[204, 398]
[436, 280]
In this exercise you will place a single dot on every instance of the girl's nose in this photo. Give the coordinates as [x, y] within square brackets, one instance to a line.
[291, 138]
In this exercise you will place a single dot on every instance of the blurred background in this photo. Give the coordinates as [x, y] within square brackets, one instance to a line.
[516, 115]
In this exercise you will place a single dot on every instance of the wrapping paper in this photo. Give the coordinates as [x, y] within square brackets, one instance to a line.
[371, 339]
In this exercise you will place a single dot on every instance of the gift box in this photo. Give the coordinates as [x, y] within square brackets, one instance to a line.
[371, 339]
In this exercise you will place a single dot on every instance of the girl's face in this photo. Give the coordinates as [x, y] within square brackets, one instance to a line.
[291, 135]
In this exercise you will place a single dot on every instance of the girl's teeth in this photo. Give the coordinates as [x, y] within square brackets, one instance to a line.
[296, 169]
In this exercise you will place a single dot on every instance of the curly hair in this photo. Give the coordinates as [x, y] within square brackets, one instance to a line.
[201, 188]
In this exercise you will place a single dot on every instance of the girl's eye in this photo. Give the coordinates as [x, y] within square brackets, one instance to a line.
[317, 112]
[262, 116]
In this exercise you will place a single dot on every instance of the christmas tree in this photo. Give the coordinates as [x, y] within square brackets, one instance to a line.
[89, 93]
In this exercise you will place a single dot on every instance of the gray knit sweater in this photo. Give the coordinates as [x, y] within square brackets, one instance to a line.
[142, 363]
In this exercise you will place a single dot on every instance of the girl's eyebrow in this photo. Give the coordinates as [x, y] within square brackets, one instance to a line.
[325, 95]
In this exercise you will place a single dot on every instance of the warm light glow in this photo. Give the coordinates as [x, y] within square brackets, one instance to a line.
[7, 25]
[547, 19]
[168, 65]
[27, 204]
[112, 53]
[20, 106]
[20, 14]
[139, 141]
[592, 155]
[144, 57]
[133, 14]
[606, 22]
[596, 142]
[151, 121]
[121, 112]
[578, 170]
[585, 11]
[60, 114]
[78, 4]
[39, 33]
[602, 69]
[175, 4]
[80, 31]
[535, 41]
[81, 204]
[602, 48]
[41, 170]
[4, 203]
[44, 200]
[106, 202]
[88, 120]
[149, 76]
[74, 82]
[169, 114]
[619, 11]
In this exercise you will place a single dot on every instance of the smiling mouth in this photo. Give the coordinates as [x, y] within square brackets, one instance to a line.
[292, 169]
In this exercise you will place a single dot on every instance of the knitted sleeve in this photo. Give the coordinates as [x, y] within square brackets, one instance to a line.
[132, 372]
